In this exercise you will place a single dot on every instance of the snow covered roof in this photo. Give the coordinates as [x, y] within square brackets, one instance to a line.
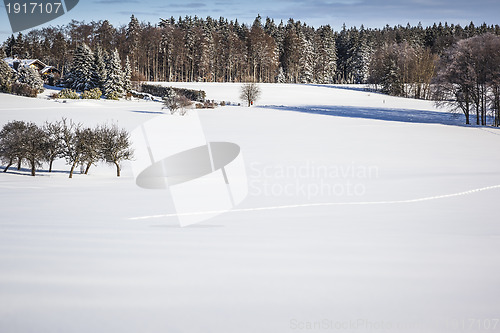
[48, 69]
[41, 66]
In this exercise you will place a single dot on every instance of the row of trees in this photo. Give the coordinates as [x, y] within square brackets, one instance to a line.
[196, 49]
[403, 69]
[468, 78]
[26, 143]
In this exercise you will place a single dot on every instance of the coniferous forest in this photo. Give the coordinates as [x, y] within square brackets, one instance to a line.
[195, 49]
[401, 60]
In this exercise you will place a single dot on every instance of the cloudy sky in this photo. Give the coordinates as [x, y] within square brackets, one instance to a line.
[370, 13]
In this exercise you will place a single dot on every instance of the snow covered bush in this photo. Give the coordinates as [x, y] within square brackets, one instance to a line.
[113, 95]
[30, 77]
[23, 89]
[92, 94]
[7, 77]
[68, 94]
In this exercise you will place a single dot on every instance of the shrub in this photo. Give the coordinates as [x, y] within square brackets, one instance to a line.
[31, 78]
[92, 94]
[113, 95]
[22, 89]
[68, 94]
[156, 90]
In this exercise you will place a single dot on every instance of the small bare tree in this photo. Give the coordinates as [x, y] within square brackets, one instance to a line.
[11, 143]
[90, 141]
[34, 146]
[175, 102]
[115, 146]
[250, 92]
[72, 147]
[54, 144]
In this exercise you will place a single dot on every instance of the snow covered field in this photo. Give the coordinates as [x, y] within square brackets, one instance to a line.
[365, 213]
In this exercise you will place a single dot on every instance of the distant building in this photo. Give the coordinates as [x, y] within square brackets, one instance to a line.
[48, 73]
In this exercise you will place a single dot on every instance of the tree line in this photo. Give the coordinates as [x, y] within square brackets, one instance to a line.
[26, 143]
[452, 64]
[196, 49]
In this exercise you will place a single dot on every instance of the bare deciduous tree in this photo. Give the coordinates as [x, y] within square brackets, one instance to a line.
[115, 146]
[90, 142]
[175, 102]
[468, 77]
[34, 146]
[72, 147]
[11, 143]
[54, 144]
[250, 92]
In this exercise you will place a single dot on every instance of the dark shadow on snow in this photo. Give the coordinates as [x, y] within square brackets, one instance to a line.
[27, 171]
[376, 113]
[344, 87]
[149, 112]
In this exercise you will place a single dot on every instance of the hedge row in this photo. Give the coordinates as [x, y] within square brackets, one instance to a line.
[156, 90]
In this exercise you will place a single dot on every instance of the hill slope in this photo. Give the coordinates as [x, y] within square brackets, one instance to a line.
[331, 234]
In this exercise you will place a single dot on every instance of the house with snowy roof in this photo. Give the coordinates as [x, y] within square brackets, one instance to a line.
[48, 73]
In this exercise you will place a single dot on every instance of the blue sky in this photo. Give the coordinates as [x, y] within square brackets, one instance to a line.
[371, 13]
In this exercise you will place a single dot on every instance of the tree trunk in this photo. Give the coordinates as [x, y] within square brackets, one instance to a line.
[72, 169]
[50, 164]
[33, 170]
[467, 113]
[117, 169]
[8, 165]
[88, 167]
[19, 163]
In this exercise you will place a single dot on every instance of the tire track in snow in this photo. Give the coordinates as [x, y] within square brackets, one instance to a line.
[359, 203]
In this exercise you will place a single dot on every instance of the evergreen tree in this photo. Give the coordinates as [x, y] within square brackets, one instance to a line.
[127, 75]
[361, 61]
[326, 56]
[30, 77]
[7, 77]
[306, 62]
[99, 68]
[9, 46]
[114, 80]
[281, 78]
[133, 39]
[290, 59]
[391, 82]
[81, 76]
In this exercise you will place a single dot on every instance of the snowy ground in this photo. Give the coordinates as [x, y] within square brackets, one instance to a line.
[376, 227]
